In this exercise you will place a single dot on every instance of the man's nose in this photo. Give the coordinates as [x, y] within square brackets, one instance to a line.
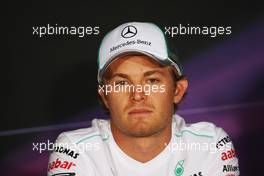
[138, 94]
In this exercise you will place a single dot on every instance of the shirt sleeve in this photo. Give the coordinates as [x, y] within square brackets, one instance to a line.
[224, 161]
[67, 159]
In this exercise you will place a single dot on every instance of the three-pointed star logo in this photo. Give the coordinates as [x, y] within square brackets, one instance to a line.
[129, 31]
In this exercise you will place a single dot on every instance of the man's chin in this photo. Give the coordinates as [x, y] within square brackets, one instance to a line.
[140, 134]
[142, 131]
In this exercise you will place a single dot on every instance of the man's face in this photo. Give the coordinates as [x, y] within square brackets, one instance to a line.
[141, 111]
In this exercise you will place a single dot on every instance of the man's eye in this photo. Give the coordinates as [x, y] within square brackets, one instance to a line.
[121, 82]
[153, 81]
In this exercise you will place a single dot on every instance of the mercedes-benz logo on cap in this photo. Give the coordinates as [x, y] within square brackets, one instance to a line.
[129, 31]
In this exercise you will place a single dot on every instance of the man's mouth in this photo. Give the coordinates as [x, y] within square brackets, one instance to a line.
[139, 111]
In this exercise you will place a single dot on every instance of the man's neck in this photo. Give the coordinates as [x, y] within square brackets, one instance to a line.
[142, 149]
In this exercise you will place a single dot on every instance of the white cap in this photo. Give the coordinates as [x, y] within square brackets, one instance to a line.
[134, 37]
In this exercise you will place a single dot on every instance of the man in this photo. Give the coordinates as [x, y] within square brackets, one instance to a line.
[141, 84]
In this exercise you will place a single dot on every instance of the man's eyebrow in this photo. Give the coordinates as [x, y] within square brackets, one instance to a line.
[148, 73]
[120, 75]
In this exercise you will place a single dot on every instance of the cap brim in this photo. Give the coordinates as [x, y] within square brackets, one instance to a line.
[162, 61]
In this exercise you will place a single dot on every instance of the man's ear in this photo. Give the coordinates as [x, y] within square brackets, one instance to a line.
[102, 95]
[181, 87]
